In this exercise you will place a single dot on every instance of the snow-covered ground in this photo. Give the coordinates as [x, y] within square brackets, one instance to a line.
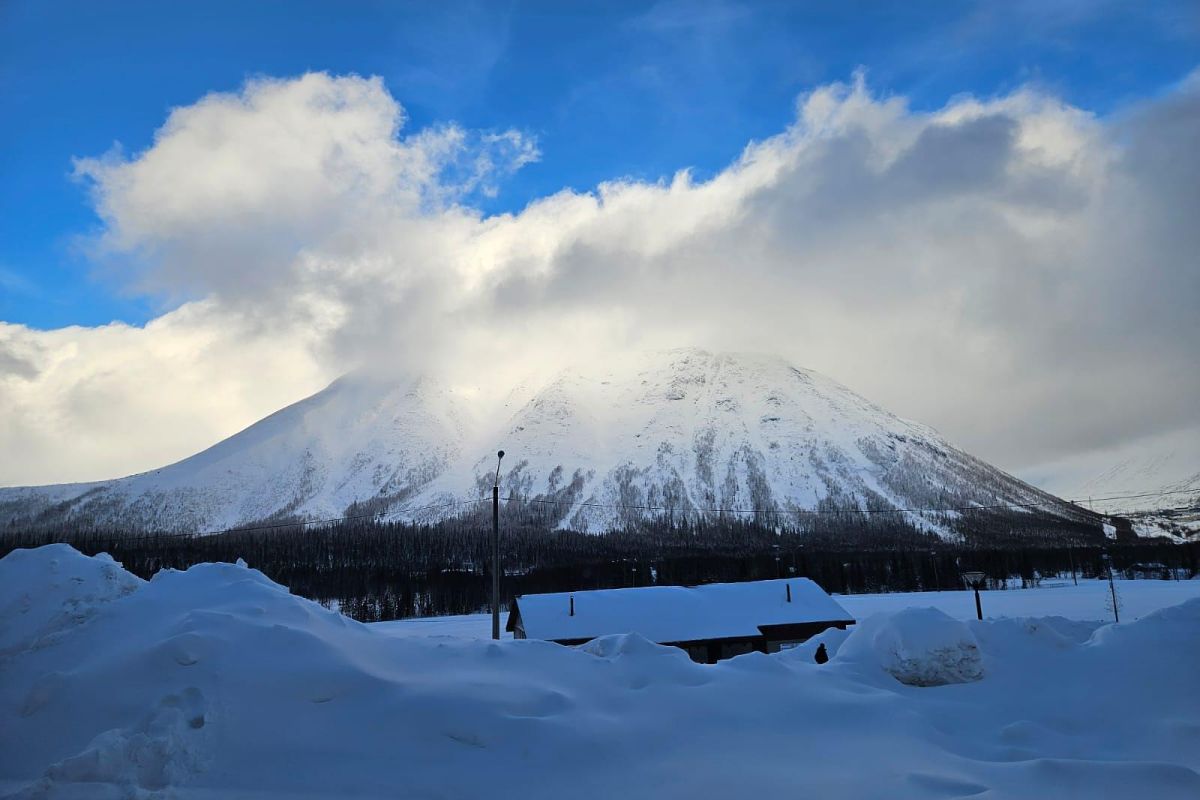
[1089, 601]
[216, 682]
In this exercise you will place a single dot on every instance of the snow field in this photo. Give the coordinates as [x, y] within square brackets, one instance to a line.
[216, 682]
[1087, 602]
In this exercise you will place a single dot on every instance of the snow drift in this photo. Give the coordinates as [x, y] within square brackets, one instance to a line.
[217, 682]
[916, 646]
[50, 590]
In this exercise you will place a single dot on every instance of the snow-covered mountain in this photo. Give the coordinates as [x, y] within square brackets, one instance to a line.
[1155, 481]
[672, 434]
[359, 439]
[1145, 474]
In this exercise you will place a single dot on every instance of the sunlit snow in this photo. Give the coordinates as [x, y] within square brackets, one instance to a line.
[216, 682]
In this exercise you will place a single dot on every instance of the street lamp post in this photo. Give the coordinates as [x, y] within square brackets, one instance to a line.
[496, 549]
[975, 580]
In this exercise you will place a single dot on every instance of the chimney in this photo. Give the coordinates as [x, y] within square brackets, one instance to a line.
[572, 606]
[788, 586]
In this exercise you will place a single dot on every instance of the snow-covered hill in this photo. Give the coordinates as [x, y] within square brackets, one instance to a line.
[357, 440]
[676, 433]
[1157, 506]
[1155, 481]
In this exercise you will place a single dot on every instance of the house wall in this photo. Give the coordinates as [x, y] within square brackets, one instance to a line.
[712, 651]
[784, 637]
[709, 651]
[774, 639]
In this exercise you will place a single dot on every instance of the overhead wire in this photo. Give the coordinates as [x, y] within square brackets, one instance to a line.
[381, 515]
[951, 509]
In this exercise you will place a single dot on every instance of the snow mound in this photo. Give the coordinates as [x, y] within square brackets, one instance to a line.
[622, 644]
[916, 646]
[217, 682]
[139, 761]
[52, 589]
[1186, 612]
[1179, 619]
[806, 651]
[637, 663]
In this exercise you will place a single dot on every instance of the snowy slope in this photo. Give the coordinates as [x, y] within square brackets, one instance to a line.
[683, 432]
[357, 441]
[690, 432]
[217, 682]
[1155, 481]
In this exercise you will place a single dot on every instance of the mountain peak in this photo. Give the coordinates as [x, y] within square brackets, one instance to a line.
[679, 432]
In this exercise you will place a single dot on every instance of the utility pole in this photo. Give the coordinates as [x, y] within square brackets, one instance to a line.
[1071, 555]
[496, 549]
[1112, 587]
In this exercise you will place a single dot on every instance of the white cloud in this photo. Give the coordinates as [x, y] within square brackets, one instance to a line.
[83, 403]
[1013, 271]
[237, 188]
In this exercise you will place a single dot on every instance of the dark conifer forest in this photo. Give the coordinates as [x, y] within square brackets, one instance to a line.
[377, 570]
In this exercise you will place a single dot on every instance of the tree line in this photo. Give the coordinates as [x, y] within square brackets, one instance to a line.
[374, 570]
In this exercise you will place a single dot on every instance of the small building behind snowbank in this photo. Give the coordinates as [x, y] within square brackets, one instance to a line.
[710, 622]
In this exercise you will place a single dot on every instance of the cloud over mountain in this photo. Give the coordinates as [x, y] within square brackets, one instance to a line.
[1015, 271]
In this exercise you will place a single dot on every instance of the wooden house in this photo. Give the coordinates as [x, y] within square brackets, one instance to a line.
[710, 622]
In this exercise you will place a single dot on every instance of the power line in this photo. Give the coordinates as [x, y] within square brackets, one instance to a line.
[380, 515]
[1134, 496]
[1009, 506]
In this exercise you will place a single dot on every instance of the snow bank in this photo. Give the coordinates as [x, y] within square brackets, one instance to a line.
[916, 646]
[153, 754]
[1181, 620]
[806, 651]
[52, 589]
[622, 644]
[217, 682]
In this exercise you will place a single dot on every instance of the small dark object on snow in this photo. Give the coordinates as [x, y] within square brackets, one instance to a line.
[822, 653]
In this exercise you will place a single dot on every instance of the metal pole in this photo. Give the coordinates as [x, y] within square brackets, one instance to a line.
[496, 550]
[978, 606]
[1113, 588]
[495, 562]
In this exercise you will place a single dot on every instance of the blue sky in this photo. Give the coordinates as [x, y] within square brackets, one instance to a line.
[608, 90]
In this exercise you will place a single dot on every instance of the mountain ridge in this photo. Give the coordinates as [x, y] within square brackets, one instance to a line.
[599, 446]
